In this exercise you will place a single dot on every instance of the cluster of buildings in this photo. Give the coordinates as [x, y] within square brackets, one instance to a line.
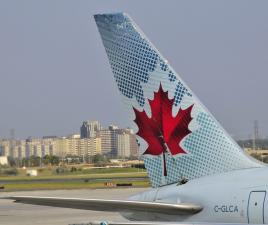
[92, 140]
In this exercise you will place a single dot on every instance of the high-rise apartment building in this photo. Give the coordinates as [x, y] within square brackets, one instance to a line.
[5, 147]
[90, 146]
[89, 129]
[118, 142]
[123, 145]
[108, 140]
[73, 146]
[61, 147]
[126, 143]
[36, 147]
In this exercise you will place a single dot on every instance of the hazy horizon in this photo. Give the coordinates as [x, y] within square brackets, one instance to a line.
[53, 63]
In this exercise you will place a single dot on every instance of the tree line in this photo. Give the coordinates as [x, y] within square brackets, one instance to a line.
[37, 161]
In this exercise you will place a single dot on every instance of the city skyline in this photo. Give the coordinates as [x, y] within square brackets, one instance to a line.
[92, 140]
[52, 62]
[12, 132]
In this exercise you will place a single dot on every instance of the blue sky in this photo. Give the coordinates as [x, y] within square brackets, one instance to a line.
[55, 73]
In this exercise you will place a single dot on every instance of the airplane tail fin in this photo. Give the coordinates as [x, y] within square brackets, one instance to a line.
[179, 139]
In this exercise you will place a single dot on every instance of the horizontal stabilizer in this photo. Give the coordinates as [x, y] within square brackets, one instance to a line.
[151, 223]
[111, 205]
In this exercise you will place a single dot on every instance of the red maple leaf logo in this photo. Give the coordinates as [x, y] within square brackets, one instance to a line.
[162, 131]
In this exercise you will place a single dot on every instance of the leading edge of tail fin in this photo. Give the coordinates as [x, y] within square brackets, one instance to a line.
[178, 137]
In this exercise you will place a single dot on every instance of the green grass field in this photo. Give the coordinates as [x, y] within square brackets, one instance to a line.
[49, 173]
[68, 185]
[113, 175]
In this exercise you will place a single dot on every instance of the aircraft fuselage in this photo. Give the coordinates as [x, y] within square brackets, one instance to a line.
[232, 197]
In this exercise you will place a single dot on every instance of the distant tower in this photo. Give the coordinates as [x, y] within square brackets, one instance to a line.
[12, 143]
[255, 134]
[256, 129]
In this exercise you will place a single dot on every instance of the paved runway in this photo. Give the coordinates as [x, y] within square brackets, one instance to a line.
[22, 214]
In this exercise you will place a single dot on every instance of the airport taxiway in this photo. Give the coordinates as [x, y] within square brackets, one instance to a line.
[22, 214]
